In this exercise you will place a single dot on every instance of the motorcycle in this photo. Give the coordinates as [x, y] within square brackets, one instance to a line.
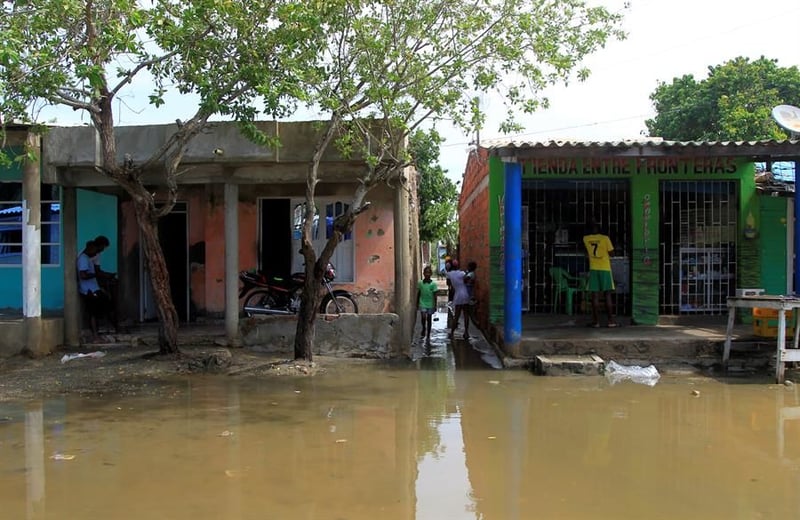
[277, 295]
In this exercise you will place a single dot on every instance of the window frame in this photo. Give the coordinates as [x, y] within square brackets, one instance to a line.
[53, 206]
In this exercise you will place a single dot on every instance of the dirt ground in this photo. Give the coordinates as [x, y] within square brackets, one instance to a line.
[135, 370]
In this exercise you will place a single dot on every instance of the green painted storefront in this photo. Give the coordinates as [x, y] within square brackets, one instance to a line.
[653, 184]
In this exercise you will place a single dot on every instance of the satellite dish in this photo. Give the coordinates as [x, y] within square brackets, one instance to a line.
[788, 117]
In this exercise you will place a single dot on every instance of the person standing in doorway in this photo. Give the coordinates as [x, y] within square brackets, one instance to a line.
[107, 280]
[426, 301]
[96, 301]
[598, 249]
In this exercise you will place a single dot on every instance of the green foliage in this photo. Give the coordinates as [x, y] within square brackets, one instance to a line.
[239, 56]
[438, 195]
[733, 103]
[401, 62]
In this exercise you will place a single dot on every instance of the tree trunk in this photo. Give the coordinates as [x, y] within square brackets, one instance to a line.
[159, 276]
[307, 316]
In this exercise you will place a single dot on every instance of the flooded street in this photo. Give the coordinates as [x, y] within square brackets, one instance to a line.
[448, 438]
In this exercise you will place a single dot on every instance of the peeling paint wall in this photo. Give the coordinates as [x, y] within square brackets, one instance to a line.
[374, 251]
[373, 235]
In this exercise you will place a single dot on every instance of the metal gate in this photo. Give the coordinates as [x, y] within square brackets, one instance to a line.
[560, 213]
[698, 246]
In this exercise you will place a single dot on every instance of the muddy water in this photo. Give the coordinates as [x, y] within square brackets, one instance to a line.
[436, 442]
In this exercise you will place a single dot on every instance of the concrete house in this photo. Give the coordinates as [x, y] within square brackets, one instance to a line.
[238, 203]
[686, 219]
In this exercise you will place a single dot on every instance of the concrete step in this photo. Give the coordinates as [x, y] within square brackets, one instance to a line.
[566, 365]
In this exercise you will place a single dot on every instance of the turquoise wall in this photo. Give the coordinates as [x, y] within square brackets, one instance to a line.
[97, 215]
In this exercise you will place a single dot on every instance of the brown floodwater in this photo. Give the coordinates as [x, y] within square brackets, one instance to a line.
[444, 439]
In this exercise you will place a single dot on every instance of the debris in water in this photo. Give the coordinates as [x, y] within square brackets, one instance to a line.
[491, 437]
[696, 393]
[643, 375]
[493, 382]
[61, 456]
[70, 357]
[226, 433]
[341, 441]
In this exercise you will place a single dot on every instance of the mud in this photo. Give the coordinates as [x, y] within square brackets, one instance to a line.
[139, 370]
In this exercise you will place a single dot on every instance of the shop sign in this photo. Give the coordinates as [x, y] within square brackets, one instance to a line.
[642, 166]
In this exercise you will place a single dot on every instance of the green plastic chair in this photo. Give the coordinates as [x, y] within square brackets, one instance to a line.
[565, 286]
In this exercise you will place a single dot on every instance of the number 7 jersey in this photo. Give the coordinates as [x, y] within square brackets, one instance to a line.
[598, 247]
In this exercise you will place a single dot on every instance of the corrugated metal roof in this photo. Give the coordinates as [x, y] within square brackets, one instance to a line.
[649, 146]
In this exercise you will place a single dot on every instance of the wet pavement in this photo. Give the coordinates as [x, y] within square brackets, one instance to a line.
[466, 353]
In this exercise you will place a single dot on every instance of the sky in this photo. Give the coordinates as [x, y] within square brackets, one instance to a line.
[666, 39]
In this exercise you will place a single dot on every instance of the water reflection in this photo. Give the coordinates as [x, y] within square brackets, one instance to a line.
[402, 444]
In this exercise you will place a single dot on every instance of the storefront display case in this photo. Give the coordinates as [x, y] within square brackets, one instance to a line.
[705, 279]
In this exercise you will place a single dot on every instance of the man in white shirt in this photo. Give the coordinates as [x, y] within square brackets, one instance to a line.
[96, 301]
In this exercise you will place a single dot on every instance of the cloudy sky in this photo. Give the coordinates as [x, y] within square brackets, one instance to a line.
[666, 39]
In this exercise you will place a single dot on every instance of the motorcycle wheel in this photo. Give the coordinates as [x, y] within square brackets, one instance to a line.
[256, 299]
[345, 301]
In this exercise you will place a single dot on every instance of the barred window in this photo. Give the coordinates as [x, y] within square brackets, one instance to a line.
[11, 217]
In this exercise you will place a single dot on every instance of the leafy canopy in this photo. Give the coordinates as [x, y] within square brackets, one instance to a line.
[401, 62]
[438, 195]
[734, 103]
[237, 56]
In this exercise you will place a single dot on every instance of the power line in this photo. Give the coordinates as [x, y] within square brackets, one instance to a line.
[559, 129]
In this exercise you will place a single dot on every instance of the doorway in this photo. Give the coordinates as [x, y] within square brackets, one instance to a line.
[173, 234]
[560, 213]
[274, 236]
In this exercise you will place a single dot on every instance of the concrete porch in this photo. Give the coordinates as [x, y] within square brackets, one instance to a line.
[695, 340]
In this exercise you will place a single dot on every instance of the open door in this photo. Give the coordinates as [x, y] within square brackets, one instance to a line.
[173, 233]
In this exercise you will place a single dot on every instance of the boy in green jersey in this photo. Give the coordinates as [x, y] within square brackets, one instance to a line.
[426, 301]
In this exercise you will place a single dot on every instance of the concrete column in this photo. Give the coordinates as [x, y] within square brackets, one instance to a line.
[232, 264]
[512, 320]
[69, 245]
[32, 249]
[402, 268]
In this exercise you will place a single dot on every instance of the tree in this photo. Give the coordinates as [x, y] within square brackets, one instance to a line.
[438, 195]
[733, 103]
[83, 54]
[391, 65]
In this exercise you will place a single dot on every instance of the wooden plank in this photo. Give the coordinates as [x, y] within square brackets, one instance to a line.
[726, 353]
[782, 304]
[764, 302]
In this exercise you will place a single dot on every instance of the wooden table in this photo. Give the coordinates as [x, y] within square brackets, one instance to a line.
[782, 304]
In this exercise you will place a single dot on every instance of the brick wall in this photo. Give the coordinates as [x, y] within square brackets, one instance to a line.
[473, 236]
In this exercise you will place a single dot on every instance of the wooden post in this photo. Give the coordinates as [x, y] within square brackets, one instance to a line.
[69, 244]
[726, 353]
[232, 264]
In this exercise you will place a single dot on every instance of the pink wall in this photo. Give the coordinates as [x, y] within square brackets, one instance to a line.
[373, 235]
